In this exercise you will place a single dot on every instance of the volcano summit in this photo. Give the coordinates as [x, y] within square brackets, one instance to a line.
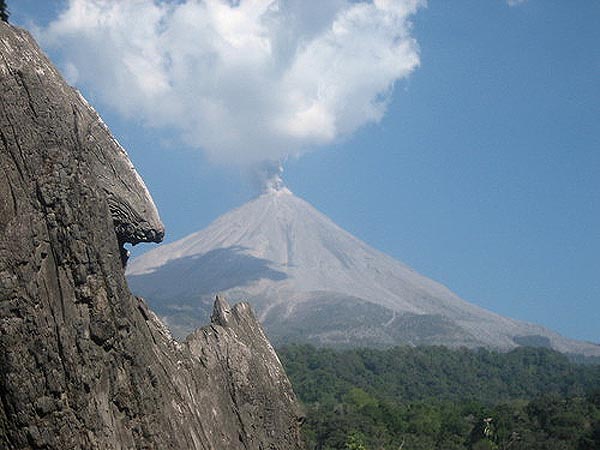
[311, 281]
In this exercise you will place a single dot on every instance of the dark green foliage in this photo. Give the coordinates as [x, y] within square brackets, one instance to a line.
[435, 398]
[3, 11]
[409, 374]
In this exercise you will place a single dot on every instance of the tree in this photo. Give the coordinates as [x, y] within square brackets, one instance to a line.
[3, 11]
[355, 442]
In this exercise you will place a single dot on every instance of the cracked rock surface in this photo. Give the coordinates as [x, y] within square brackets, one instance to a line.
[83, 363]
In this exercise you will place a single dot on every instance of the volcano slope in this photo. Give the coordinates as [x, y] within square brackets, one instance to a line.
[83, 363]
[311, 281]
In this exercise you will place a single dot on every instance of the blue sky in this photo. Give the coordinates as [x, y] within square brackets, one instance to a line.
[483, 173]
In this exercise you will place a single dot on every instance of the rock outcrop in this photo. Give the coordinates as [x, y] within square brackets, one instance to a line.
[83, 363]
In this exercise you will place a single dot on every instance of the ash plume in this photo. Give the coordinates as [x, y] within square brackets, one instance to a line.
[244, 81]
[268, 177]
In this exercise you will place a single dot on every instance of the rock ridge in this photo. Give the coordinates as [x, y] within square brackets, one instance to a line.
[84, 364]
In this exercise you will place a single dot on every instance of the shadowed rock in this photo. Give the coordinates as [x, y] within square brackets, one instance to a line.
[83, 363]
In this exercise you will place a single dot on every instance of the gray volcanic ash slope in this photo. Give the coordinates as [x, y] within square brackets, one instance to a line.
[311, 281]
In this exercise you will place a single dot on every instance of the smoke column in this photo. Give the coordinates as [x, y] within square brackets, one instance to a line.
[243, 81]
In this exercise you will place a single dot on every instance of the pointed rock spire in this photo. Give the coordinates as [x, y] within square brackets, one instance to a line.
[221, 311]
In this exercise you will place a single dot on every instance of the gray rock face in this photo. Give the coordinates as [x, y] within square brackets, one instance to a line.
[84, 363]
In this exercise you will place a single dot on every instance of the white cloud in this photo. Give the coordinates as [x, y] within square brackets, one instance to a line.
[515, 2]
[245, 80]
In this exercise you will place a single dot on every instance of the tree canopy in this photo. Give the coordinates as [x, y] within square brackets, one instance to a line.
[436, 398]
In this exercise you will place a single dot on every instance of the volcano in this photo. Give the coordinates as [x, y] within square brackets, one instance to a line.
[311, 281]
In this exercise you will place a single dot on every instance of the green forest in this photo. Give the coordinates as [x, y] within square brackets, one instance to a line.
[436, 398]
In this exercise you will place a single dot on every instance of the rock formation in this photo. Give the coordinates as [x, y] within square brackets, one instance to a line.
[84, 363]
